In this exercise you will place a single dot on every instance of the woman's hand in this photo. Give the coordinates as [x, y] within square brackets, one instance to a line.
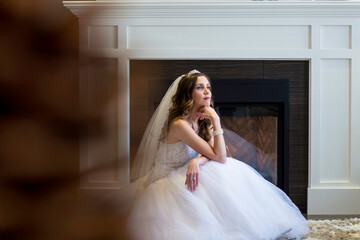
[192, 175]
[208, 113]
[193, 170]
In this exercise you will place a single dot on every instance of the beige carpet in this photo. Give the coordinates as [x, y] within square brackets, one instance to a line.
[334, 229]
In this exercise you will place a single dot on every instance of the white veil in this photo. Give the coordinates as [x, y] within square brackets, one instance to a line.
[155, 132]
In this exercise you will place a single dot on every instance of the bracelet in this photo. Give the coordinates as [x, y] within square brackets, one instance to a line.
[218, 132]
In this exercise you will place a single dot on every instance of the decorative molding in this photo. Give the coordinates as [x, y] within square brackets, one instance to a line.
[214, 9]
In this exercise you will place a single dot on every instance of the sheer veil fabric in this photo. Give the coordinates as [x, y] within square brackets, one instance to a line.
[149, 160]
[150, 154]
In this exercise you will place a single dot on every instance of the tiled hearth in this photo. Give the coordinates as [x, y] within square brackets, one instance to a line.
[327, 34]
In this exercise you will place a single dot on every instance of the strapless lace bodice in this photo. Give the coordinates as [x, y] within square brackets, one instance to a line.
[173, 156]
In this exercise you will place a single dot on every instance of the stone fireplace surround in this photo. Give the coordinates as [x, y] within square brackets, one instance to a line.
[327, 34]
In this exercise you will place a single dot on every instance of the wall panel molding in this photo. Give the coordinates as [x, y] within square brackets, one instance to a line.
[225, 37]
[335, 120]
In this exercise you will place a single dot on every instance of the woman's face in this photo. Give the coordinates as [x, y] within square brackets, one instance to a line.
[202, 92]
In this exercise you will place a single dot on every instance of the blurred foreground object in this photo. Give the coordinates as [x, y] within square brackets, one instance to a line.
[39, 128]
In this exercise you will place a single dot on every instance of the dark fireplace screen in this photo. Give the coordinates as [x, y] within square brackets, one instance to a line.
[254, 116]
[251, 135]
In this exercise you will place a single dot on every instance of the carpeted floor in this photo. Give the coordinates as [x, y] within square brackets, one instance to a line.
[334, 229]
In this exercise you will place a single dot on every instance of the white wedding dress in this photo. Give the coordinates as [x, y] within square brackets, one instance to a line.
[232, 201]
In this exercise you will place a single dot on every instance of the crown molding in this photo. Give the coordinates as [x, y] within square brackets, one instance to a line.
[214, 9]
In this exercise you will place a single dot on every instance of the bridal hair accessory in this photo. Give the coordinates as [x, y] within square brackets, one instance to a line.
[218, 132]
[193, 71]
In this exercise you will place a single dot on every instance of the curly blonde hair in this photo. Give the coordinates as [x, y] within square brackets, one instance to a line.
[183, 101]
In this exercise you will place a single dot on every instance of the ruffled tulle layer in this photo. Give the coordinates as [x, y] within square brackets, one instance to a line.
[232, 201]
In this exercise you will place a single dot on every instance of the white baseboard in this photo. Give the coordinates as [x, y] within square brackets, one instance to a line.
[333, 201]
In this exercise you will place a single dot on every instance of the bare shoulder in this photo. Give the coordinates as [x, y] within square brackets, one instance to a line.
[180, 124]
[177, 130]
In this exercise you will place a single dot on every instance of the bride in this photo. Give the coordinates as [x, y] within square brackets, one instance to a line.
[184, 186]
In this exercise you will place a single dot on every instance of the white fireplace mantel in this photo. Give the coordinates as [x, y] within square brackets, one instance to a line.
[214, 9]
[326, 33]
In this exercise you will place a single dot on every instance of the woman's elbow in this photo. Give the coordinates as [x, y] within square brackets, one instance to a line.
[222, 159]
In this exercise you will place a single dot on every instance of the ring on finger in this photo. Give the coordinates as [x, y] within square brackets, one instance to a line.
[194, 178]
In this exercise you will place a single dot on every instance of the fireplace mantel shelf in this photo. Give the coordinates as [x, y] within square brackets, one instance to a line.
[214, 9]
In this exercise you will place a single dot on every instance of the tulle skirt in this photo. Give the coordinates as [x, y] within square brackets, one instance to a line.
[232, 201]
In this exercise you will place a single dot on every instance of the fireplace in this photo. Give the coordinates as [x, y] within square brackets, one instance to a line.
[271, 96]
[323, 34]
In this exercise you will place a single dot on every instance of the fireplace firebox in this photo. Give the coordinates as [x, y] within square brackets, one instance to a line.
[255, 119]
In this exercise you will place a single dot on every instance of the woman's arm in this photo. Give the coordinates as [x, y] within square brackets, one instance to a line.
[217, 142]
[182, 131]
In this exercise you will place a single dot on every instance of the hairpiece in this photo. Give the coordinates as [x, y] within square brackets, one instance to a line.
[193, 71]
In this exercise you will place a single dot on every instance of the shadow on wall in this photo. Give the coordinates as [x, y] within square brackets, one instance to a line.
[40, 125]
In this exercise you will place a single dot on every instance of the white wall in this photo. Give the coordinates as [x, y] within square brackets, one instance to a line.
[325, 33]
